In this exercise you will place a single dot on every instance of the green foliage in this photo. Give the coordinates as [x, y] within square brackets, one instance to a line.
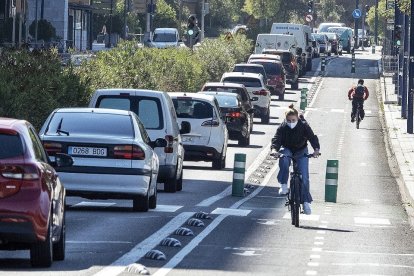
[165, 15]
[34, 84]
[45, 30]
[383, 15]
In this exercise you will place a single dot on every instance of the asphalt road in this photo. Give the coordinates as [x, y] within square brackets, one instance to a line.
[365, 233]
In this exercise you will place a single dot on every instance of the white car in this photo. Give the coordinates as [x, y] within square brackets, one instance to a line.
[258, 92]
[208, 138]
[166, 38]
[156, 111]
[112, 153]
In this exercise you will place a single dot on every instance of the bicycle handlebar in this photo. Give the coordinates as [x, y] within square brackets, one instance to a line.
[305, 155]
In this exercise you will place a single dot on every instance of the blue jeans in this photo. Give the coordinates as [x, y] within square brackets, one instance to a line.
[303, 165]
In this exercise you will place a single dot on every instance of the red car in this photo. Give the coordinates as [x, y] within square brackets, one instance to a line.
[276, 75]
[32, 198]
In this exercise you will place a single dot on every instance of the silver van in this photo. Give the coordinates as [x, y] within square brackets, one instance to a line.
[156, 111]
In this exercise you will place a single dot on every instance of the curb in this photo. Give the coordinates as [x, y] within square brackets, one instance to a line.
[394, 162]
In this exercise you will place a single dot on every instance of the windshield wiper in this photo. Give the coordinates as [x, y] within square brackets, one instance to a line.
[59, 130]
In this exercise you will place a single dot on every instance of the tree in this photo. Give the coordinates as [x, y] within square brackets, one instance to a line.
[165, 15]
[383, 15]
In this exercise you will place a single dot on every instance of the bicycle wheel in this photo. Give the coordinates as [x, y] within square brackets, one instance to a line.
[358, 118]
[292, 202]
[297, 200]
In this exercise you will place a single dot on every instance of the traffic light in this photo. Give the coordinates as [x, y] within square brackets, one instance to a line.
[397, 35]
[310, 6]
[193, 31]
[366, 9]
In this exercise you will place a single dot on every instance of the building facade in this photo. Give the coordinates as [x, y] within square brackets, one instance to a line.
[13, 22]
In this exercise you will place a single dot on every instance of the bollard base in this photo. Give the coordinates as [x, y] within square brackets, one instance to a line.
[330, 193]
[237, 188]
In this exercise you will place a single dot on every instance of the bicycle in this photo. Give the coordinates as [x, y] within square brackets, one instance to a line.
[358, 116]
[294, 197]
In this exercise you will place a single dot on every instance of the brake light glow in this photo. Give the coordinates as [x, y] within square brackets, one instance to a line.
[170, 144]
[210, 123]
[20, 172]
[52, 148]
[132, 152]
[261, 92]
[234, 115]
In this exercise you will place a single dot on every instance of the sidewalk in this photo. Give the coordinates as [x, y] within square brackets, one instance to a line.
[400, 143]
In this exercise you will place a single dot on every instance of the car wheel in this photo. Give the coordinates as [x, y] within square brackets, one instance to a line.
[282, 97]
[180, 182]
[244, 141]
[219, 163]
[309, 65]
[59, 247]
[266, 117]
[140, 203]
[41, 252]
[295, 85]
[153, 199]
[329, 54]
[170, 185]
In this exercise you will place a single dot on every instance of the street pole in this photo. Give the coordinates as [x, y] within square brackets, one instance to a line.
[36, 19]
[363, 27]
[411, 79]
[405, 68]
[356, 26]
[376, 22]
[125, 19]
[203, 13]
[110, 23]
[398, 22]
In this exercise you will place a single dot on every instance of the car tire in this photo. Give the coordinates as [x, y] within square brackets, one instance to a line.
[266, 117]
[140, 203]
[219, 163]
[309, 65]
[41, 252]
[153, 199]
[180, 182]
[244, 141]
[282, 96]
[60, 246]
[170, 185]
[295, 85]
[329, 54]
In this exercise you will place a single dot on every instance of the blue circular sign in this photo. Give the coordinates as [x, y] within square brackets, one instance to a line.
[357, 13]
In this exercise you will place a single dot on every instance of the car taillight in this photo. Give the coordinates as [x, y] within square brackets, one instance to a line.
[52, 148]
[20, 172]
[132, 152]
[234, 114]
[210, 123]
[170, 144]
[261, 92]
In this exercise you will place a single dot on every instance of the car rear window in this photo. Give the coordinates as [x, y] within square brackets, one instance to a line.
[10, 146]
[248, 69]
[271, 68]
[148, 109]
[90, 123]
[238, 91]
[248, 82]
[193, 109]
[227, 101]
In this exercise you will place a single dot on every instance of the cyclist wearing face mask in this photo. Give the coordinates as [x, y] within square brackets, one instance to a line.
[291, 139]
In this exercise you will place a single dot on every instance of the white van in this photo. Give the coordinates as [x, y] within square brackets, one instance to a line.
[302, 33]
[166, 38]
[274, 41]
[156, 111]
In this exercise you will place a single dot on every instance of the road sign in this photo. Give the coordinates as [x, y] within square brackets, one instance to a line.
[357, 13]
[309, 18]
[390, 27]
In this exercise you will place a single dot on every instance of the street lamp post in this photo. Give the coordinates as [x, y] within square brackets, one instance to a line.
[410, 102]
[376, 22]
[356, 26]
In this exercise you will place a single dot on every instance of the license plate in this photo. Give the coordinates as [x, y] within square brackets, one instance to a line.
[87, 151]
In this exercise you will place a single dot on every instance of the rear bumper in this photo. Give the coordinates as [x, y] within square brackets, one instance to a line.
[13, 235]
[200, 153]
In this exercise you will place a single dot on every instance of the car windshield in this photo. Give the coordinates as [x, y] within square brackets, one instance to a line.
[90, 123]
[331, 36]
[192, 108]
[320, 38]
[164, 37]
[248, 69]
[227, 101]
[271, 68]
[248, 82]
[10, 146]
[336, 30]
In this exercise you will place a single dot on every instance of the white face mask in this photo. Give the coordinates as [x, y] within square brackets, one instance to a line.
[292, 125]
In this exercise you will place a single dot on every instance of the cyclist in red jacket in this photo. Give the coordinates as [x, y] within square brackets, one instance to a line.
[358, 94]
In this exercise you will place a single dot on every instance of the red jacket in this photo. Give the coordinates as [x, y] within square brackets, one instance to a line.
[351, 93]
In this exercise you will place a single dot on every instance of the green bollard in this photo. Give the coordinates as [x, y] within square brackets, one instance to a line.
[238, 174]
[304, 98]
[373, 49]
[331, 181]
[323, 63]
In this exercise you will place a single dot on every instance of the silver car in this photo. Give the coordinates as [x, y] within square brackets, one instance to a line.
[113, 155]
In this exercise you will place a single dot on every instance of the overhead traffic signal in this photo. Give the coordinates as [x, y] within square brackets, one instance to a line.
[193, 31]
[310, 6]
[397, 35]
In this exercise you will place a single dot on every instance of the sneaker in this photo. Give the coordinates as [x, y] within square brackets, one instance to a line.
[306, 208]
[352, 120]
[283, 189]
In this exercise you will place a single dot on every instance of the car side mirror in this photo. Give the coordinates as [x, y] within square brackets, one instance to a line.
[185, 127]
[63, 160]
[254, 99]
[160, 143]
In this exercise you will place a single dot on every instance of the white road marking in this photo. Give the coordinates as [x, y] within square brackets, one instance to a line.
[167, 208]
[322, 232]
[303, 217]
[337, 110]
[324, 222]
[318, 243]
[98, 242]
[268, 221]
[368, 111]
[316, 249]
[363, 164]
[247, 253]
[94, 204]
[315, 256]
[371, 253]
[364, 220]
[143, 247]
[311, 272]
[227, 192]
[313, 264]
[373, 265]
[319, 238]
[231, 212]
[323, 226]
